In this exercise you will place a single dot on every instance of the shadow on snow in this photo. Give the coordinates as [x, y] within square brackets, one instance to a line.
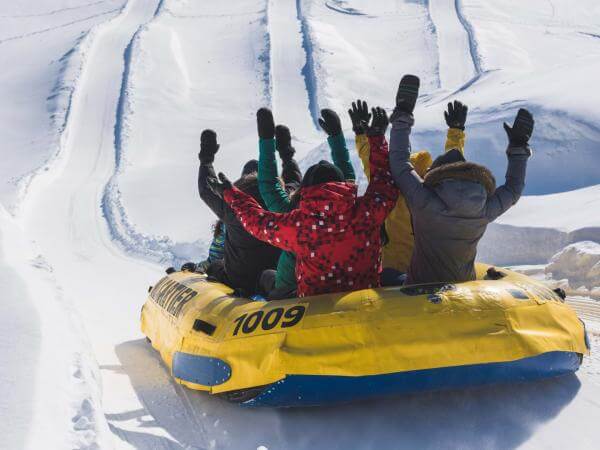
[502, 416]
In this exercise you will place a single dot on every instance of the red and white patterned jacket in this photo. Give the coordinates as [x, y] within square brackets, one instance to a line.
[335, 234]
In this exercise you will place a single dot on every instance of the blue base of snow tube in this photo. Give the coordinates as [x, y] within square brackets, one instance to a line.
[313, 390]
[200, 369]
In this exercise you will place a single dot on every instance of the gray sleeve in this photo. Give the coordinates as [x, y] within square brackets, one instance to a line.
[407, 180]
[509, 193]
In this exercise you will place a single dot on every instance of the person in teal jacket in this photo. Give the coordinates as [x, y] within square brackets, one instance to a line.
[280, 195]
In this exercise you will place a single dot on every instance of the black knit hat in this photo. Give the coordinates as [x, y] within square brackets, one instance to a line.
[322, 172]
[451, 156]
[250, 167]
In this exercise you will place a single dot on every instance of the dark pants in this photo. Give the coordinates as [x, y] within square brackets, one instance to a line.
[266, 286]
[216, 272]
[392, 277]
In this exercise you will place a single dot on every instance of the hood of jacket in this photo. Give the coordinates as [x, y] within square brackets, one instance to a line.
[332, 197]
[463, 187]
[249, 184]
[462, 170]
[321, 173]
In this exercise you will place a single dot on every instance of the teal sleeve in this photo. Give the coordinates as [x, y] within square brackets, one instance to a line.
[271, 190]
[340, 156]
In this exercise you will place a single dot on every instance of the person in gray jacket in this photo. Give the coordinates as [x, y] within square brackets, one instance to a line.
[456, 200]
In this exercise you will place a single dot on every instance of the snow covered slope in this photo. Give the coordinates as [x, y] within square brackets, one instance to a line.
[539, 226]
[567, 211]
[49, 376]
[227, 59]
[102, 103]
[42, 47]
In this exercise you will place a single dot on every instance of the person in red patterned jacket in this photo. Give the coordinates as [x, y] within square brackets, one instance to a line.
[334, 233]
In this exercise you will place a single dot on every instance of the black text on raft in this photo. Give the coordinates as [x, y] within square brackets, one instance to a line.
[171, 295]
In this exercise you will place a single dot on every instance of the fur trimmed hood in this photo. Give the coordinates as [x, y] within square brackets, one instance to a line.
[467, 171]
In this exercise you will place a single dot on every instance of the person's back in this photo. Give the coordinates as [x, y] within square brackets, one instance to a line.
[245, 257]
[447, 230]
[398, 251]
[338, 248]
[456, 200]
[281, 283]
[334, 234]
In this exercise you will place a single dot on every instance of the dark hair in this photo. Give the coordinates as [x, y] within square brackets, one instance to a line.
[217, 229]
[249, 167]
[249, 184]
[322, 172]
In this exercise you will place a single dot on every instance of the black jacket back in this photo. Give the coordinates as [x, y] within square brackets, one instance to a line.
[245, 257]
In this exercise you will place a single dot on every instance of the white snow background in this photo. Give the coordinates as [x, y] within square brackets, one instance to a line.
[101, 106]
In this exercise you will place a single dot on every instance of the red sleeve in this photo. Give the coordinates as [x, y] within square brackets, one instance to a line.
[381, 195]
[276, 229]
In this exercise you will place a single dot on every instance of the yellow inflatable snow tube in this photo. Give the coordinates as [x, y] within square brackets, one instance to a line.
[503, 327]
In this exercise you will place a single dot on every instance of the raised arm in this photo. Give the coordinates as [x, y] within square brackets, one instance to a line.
[273, 194]
[290, 171]
[291, 175]
[518, 153]
[381, 195]
[407, 180]
[206, 173]
[279, 230]
[332, 125]
[360, 116]
[456, 118]
[421, 161]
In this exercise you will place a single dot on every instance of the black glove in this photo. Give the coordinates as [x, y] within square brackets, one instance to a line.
[208, 147]
[408, 91]
[283, 142]
[265, 123]
[519, 134]
[330, 122]
[188, 267]
[221, 187]
[360, 116]
[379, 123]
[456, 116]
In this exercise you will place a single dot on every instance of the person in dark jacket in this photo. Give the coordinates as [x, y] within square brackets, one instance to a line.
[216, 250]
[334, 234]
[280, 198]
[456, 200]
[245, 257]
